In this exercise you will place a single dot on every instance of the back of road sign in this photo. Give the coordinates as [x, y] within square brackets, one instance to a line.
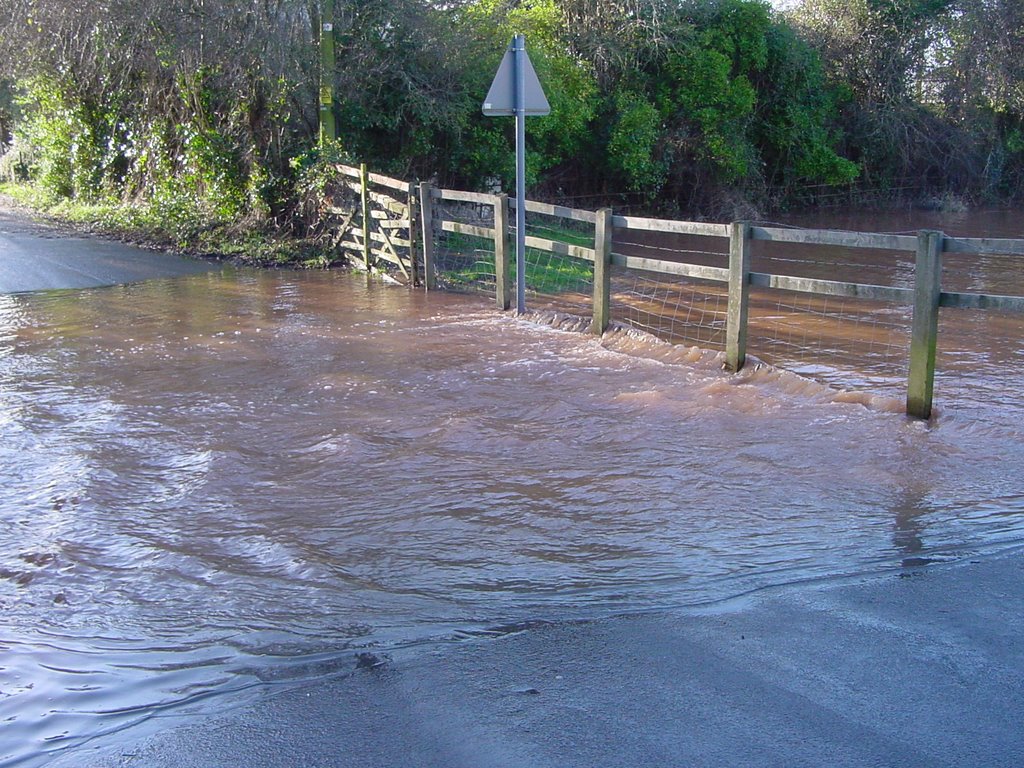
[501, 98]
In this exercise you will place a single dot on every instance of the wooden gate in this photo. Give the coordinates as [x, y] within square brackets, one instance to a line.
[374, 220]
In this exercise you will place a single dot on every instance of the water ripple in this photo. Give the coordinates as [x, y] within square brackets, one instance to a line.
[216, 484]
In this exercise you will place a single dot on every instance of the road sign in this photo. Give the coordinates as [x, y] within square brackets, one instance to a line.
[516, 91]
[501, 98]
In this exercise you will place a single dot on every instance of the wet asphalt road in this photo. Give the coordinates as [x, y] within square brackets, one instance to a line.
[918, 668]
[39, 257]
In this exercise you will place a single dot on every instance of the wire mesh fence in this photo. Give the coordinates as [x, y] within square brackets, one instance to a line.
[980, 355]
[464, 260]
[681, 310]
[834, 306]
[845, 343]
[678, 310]
[849, 343]
[557, 281]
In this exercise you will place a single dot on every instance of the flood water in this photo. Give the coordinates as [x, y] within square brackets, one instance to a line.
[853, 344]
[224, 483]
[865, 345]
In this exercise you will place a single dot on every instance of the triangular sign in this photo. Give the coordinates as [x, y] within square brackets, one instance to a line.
[501, 98]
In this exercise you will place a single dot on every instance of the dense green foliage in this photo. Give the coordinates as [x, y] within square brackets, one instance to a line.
[205, 111]
[147, 103]
[934, 90]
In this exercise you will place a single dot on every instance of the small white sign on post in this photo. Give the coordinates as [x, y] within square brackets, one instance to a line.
[517, 91]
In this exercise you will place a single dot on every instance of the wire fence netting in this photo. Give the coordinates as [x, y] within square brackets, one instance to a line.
[843, 342]
[464, 262]
[557, 281]
[681, 310]
[849, 343]
[980, 355]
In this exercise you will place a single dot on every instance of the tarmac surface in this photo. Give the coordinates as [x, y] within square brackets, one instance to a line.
[923, 666]
[38, 257]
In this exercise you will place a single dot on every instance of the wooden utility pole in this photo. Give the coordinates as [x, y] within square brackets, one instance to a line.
[328, 131]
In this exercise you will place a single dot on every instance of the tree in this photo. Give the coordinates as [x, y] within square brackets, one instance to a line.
[977, 81]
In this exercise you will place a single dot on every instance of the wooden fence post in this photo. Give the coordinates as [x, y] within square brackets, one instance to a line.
[739, 295]
[427, 232]
[364, 183]
[925, 329]
[602, 272]
[414, 270]
[502, 288]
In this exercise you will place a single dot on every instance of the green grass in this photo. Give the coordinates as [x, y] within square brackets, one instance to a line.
[175, 224]
[564, 234]
[545, 272]
[178, 227]
[552, 273]
[25, 195]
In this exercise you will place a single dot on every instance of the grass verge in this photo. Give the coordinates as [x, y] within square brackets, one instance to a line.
[178, 227]
[546, 273]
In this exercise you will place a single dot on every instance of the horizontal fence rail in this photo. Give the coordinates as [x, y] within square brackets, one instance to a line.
[983, 246]
[658, 266]
[838, 238]
[675, 227]
[832, 288]
[556, 210]
[463, 197]
[561, 249]
[467, 229]
[981, 301]
[584, 261]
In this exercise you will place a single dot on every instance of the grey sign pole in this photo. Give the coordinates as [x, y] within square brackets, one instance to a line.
[519, 51]
[517, 91]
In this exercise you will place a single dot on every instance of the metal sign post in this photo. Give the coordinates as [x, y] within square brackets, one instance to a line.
[517, 91]
[519, 51]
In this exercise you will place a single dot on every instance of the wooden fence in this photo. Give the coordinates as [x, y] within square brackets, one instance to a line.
[375, 222]
[926, 297]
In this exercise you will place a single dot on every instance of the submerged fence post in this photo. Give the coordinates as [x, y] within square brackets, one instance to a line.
[502, 292]
[414, 268]
[739, 295]
[602, 272]
[364, 194]
[925, 329]
[427, 232]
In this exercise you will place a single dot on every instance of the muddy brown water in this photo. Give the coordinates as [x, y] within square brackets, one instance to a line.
[224, 483]
[852, 344]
